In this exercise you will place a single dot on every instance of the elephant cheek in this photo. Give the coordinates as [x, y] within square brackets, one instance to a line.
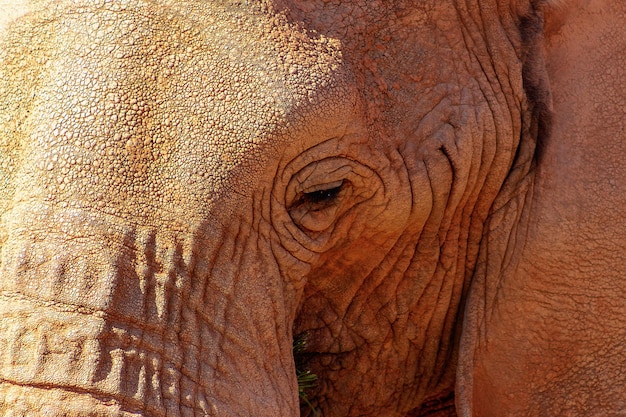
[100, 318]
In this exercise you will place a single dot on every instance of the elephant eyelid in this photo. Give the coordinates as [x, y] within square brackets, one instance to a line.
[324, 195]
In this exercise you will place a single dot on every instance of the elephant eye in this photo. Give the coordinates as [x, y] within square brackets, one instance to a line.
[315, 208]
[322, 197]
[321, 193]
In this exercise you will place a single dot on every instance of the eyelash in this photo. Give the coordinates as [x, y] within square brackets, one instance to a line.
[321, 196]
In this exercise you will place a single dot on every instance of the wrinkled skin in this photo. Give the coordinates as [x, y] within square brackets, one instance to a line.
[431, 191]
[550, 290]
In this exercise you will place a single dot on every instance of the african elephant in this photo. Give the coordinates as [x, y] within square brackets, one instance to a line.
[431, 193]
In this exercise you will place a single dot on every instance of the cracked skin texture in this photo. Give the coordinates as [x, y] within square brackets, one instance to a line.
[186, 185]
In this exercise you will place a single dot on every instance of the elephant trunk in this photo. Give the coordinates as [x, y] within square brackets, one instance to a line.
[99, 318]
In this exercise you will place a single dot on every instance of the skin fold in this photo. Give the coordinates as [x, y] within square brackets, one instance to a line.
[429, 192]
[554, 300]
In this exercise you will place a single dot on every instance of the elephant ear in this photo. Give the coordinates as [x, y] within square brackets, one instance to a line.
[545, 316]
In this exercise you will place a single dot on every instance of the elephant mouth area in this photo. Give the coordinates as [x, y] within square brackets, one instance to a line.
[311, 367]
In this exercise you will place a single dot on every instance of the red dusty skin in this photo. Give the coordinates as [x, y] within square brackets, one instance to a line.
[186, 184]
[132, 282]
[132, 323]
[191, 181]
[545, 326]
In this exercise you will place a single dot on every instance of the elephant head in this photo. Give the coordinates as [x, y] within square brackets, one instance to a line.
[429, 193]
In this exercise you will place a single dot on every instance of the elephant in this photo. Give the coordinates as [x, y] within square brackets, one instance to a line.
[428, 196]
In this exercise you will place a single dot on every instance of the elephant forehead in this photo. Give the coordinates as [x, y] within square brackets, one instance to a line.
[165, 102]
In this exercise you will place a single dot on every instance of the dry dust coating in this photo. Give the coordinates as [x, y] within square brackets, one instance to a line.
[430, 193]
